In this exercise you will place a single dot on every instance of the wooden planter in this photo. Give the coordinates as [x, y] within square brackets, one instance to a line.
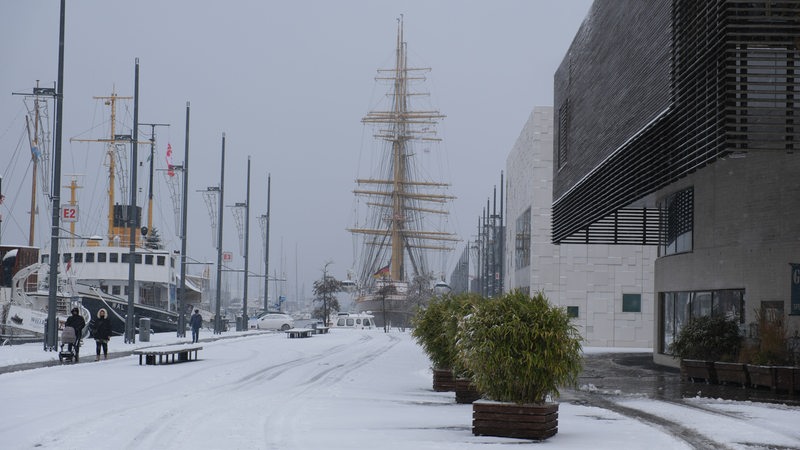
[528, 421]
[786, 379]
[466, 392]
[443, 380]
[761, 376]
[698, 370]
[732, 373]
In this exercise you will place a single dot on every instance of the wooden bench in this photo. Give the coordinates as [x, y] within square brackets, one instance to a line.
[299, 332]
[168, 354]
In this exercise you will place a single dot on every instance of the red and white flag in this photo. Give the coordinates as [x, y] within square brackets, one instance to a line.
[170, 170]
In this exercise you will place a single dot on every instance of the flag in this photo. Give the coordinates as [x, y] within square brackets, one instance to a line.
[69, 264]
[36, 153]
[383, 271]
[170, 171]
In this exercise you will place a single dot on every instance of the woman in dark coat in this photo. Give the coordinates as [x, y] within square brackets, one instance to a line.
[102, 333]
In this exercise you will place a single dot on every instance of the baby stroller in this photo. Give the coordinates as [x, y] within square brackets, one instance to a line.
[72, 343]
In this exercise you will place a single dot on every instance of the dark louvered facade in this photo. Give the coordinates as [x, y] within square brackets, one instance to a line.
[653, 91]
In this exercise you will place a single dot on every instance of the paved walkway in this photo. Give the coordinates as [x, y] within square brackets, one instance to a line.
[635, 373]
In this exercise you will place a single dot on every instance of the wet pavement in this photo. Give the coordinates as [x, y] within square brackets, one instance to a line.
[637, 374]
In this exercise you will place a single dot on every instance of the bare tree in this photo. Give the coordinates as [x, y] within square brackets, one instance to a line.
[385, 291]
[324, 290]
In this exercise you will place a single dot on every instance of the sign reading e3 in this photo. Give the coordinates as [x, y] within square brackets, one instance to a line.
[69, 213]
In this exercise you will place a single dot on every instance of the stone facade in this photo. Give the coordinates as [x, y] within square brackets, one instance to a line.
[592, 278]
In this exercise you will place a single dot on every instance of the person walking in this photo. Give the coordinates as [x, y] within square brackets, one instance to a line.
[75, 320]
[196, 322]
[101, 333]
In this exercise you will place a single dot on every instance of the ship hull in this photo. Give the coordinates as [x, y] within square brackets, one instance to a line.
[160, 320]
[395, 312]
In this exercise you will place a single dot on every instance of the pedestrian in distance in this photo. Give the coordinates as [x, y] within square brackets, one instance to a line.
[101, 333]
[75, 320]
[196, 322]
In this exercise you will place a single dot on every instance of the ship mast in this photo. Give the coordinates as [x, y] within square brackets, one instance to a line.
[111, 149]
[401, 197]
[34, 142]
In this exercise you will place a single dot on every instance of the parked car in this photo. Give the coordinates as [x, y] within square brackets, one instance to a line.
[273, 321]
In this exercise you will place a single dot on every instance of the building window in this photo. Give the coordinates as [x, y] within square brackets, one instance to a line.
[522, 241]
[148, 259]
[563, 127]
[78, 257]
[101, 257]
[113, 257]
[160, 260]
[90, 257]
[125, 258]
[632, 303]
[104, 288]
[572, 312]
[45, 259]
[677, 223]
[114, 290]
[677, 308]
[172, 262]
[138, 258]
[67, 257]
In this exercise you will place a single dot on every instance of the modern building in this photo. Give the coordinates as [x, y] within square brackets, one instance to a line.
[607, 289]
[675, 127]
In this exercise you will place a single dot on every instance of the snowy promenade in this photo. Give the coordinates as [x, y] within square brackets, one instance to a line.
[343, 390]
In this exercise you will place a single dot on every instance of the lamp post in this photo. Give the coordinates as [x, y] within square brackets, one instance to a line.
[217, 318]
[246, 319]
[133, 223]
[184, 206]
[50, 338]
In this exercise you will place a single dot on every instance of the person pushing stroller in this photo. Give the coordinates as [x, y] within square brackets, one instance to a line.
[77, 323]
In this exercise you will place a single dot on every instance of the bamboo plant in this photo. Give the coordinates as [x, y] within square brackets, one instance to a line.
[520, 349]
[435, 328]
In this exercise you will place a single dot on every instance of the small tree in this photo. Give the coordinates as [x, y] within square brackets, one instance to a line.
[324, 291]
[153, 240]
[710, 338]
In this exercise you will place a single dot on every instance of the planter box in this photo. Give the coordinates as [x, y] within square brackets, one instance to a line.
[443, 380]
[732, 373]
[466, 392]
[786, 379]
[515, 421]
[698, 370]
[761, 376]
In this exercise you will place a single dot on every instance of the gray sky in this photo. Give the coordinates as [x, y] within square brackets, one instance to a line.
[288, 82]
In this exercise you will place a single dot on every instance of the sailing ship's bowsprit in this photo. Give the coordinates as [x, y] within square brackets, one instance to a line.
[400, 203]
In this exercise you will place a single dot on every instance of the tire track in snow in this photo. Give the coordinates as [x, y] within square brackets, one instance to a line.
[690, 436]
[280, 427]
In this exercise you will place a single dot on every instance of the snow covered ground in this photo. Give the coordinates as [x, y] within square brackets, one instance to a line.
[344, 390]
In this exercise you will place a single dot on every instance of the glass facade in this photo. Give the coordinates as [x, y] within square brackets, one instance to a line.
[678, 307]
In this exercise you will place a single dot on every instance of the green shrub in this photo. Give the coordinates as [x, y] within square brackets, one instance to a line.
[520, 349]
[710, 338]
[435, 328]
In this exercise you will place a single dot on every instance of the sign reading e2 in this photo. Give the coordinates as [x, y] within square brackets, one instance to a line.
[69, 213]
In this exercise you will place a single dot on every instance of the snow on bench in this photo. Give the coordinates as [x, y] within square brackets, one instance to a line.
[299, 332]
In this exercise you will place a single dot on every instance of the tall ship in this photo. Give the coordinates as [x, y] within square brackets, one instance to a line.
[404, 209]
